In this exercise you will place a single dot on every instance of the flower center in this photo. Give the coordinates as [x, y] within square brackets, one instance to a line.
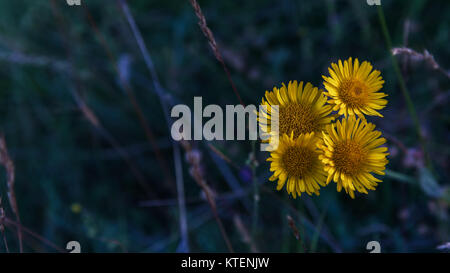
[349, 157]
[298, 161]
[353, 93]
[298, 118]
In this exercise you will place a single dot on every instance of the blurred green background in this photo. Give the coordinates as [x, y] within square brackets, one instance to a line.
[108, 182]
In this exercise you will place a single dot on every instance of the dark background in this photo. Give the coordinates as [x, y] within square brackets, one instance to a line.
[94, 161]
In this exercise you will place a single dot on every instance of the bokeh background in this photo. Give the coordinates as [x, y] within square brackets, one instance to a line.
[86, 125]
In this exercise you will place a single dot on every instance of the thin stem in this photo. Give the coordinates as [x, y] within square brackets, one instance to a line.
[181, 199]
[131, 95]
[403, 88]
[13, 223]
[253, 165]
[2, 227]
[5, 243]
[325, 236]
[7, 162]
[160, 92]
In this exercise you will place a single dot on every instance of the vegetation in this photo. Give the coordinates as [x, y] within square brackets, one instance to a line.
[88, 156]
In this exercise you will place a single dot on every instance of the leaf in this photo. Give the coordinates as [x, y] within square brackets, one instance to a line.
[428, 184]
[400, 177]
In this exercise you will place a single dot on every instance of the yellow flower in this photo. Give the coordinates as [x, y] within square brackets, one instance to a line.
[302, 109]
[296, 161]
[351, 152]
[353, 88]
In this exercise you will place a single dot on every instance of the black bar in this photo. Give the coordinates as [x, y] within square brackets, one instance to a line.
[223, 262]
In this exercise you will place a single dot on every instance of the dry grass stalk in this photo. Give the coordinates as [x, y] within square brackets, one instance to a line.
[295, 230]
[11, 223]
[2, 227]
[213, 44]
[94, 121]
[416, 56]
[193, 157]
[293, 227]
[243, 231]
[6, 161]
[206, 30]
[223, 156]
[86, 111]
[220, 154]
[19, 58]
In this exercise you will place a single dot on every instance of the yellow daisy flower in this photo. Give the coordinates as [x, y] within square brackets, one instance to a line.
[301, 109]
[296, 161]
[353, 88]
[351, 152]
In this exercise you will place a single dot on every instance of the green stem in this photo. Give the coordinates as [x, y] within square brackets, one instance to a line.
[255, 194]
[403, 88]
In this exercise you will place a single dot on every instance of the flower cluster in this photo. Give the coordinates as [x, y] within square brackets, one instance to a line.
[324, 134]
